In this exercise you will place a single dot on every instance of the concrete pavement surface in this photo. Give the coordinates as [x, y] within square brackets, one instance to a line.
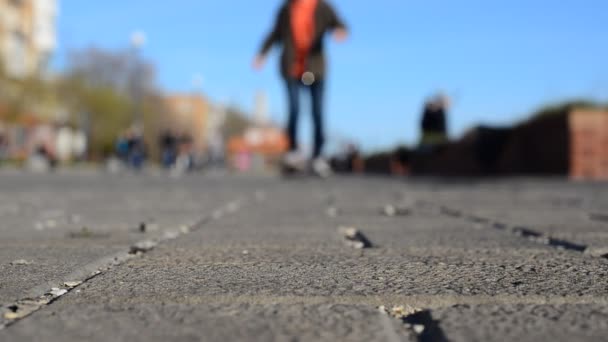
[91, 256]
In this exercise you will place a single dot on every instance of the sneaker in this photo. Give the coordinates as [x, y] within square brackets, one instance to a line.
[321, 168]
[294, 161]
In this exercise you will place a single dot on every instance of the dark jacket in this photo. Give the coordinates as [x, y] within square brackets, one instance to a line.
[325, 20]
[433, 120]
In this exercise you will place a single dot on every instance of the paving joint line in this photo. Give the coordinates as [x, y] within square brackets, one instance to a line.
[21, 309]
[524, 232]
[418, 322]
[597, 217]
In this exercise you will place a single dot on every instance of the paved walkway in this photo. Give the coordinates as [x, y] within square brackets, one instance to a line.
[86, 256]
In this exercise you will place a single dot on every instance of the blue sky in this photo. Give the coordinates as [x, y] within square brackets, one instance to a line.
[498, 59]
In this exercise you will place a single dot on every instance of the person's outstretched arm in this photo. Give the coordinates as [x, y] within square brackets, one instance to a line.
[272, 38]
[336, 24]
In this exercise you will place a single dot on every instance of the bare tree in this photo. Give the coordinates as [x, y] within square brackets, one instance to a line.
[124, 71]
[109, 91]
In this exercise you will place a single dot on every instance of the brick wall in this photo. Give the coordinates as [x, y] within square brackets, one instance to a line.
[589, 145]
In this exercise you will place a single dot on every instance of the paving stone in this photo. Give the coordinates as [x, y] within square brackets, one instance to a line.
[204, 322]
[524, 322]
[274, 267]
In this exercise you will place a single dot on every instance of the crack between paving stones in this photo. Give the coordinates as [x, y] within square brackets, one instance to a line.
[428, 302]
[597, 217]
[521, 231]
[419, 323]
[25, 307]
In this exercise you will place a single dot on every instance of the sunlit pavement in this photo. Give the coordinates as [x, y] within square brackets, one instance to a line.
[89, 256]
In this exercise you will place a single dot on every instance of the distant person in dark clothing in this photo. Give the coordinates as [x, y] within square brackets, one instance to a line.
[354, 162]
[137, 151]
[349, 160]
[434, 127]
[168, 147]
[122, 147]
[299, 28]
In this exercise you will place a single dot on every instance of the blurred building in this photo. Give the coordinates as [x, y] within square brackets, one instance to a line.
[261, 109]
[215, 137]
[188, 114]
[27, 35]
[27, 43]
[258, 149]
[588, 141]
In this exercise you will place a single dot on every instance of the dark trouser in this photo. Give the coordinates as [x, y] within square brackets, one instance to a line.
[316, 94]
[168, 157]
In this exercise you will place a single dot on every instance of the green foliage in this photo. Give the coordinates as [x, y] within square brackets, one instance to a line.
[109, 115]
[100, 91]
[104, 110]
[108, 88]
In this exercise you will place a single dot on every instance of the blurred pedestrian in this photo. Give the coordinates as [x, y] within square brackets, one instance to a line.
[168, 148]
[185, 158]
[137, 151]
[3, 146]
[299, 29]
[122, 147]
[433, 126]
[41, 160]
[354, 161]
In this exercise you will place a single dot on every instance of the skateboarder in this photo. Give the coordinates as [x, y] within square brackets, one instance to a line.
[299, 29]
